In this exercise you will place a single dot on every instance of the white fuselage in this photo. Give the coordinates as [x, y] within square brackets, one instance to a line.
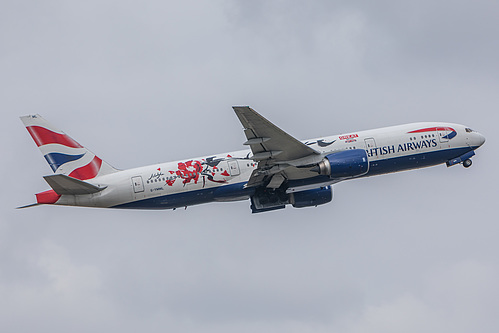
[222, 177]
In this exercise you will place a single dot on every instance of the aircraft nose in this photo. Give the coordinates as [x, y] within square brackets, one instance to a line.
[480, 139]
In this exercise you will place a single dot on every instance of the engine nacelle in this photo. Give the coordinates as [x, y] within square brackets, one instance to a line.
[344, 164]
[310, 198]
[265, 200]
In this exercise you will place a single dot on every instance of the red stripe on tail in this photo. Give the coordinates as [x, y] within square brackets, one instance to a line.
[43, 136]
[47, 197]
[88, 171]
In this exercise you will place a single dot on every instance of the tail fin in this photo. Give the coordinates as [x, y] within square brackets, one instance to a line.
[63, 154]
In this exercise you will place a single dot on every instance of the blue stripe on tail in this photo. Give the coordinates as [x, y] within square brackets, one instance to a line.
[55, 160]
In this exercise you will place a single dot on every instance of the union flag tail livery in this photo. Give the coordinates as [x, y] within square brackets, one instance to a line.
[71, 162]
[64, 155]
[277, 169]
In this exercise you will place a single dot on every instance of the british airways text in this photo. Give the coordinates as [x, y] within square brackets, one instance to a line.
[415, 145]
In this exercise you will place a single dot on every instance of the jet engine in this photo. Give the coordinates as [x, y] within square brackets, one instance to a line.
[308, 198]
[344, 164]
[271, 199]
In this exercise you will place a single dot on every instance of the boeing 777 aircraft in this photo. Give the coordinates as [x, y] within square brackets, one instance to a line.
[277, 169]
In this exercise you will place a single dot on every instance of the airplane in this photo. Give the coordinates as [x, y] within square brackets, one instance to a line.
[277, 170]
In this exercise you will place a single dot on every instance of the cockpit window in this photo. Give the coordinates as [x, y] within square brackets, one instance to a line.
[468, 130]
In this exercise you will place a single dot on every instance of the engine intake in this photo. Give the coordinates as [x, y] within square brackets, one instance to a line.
[344, 164]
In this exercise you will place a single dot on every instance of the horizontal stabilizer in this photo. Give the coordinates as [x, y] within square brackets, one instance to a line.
[30, 205]
[63, 184]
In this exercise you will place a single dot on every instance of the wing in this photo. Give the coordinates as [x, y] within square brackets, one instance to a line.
[275, 150]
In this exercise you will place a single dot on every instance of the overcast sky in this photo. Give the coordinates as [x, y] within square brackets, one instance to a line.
[140, 82]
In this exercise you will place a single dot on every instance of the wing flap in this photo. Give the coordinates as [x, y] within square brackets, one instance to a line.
[256, 179]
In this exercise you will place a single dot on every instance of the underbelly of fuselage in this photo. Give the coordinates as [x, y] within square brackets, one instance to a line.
[233, 192]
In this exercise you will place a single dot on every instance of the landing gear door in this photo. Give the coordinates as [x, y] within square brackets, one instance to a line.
[138, 184]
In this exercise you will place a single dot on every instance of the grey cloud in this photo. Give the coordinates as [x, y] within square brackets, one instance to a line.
[152, 82]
